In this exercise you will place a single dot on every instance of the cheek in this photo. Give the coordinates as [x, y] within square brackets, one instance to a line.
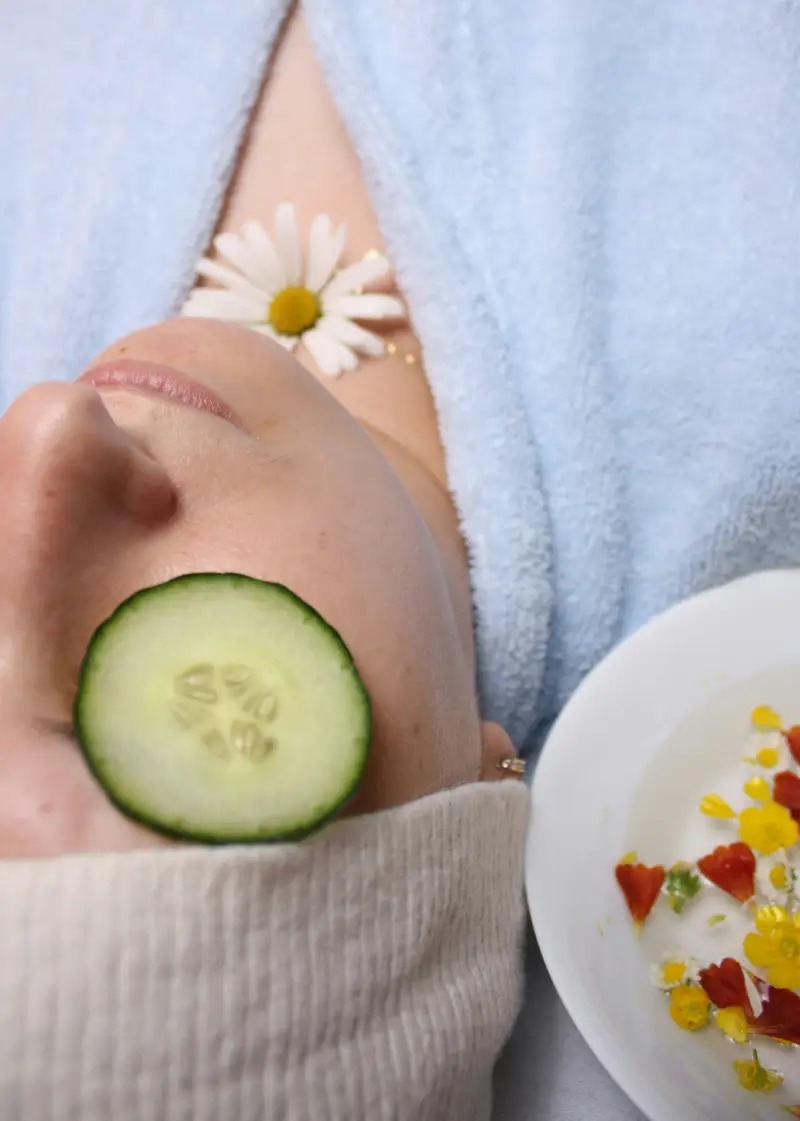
[354, 547]
[50, 804]
[332, 522]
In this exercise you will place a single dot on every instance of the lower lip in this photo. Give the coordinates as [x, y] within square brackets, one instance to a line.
[133, 373]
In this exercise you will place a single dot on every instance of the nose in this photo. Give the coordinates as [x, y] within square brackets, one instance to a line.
[77, 490]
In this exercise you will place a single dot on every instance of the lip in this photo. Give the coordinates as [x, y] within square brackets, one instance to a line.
[135, 373]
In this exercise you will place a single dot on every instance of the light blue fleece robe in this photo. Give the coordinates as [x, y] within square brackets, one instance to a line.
[593, 208]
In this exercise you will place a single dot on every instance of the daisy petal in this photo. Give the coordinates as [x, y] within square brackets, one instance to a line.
[287, 242]
[330, 355]
[373, 306]
[265, 329]
[354, 276]
[248, 259]
[325, 246]
[349, 333]
[214, 303]
[231, 280]
[211, 295]
[256, 236]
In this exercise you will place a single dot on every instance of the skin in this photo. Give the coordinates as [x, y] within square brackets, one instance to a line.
[337, 489]
[113, 489]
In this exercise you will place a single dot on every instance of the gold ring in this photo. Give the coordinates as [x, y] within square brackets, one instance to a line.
[514, 764]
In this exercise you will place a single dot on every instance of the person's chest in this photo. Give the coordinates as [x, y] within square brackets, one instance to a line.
[296, 149]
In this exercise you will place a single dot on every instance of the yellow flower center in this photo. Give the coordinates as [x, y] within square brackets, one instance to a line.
[790, 947]
[294, 310]
[777, 877]
[673, 972]
[767, 757]
[773, 836]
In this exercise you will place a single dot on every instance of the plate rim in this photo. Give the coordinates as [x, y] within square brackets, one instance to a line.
[608, 1054]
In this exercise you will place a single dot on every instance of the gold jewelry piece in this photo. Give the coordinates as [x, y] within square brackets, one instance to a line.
[409, 358]
[515, 765]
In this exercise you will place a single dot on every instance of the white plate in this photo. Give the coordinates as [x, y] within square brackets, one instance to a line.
[660, 722]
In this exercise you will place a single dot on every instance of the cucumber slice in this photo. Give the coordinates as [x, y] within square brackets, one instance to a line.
[222, 709]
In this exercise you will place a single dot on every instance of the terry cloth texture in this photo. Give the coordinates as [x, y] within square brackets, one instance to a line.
[594, 213]
[370, 973]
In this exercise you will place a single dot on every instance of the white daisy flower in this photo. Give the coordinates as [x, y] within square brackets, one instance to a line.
[776, 878]
[675, 968]
[266, 287]
[768, 750]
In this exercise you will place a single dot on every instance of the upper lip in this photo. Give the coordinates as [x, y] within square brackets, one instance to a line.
[139, 374]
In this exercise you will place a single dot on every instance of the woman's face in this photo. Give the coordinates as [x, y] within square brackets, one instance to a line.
[108, 490]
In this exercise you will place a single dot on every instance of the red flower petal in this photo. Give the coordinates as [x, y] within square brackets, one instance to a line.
[780, 1013]
[786, 791]
[793, 740]
[724, 986]
[733, 868]
[780, 1016]
[640, 886]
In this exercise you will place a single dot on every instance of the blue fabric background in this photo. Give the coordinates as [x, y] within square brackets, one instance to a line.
[593, 211]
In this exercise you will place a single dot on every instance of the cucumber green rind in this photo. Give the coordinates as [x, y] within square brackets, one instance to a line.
[134, 811]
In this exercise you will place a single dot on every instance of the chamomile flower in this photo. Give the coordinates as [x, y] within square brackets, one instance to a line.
[776, 878]
[767, 749]
[266, 286]
[675, 968]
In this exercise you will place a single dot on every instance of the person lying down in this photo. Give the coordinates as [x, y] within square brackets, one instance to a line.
[306, 558]
[260, 852]
[230, 612]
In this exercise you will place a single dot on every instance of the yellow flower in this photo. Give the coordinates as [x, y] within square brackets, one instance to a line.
[758, 789]
[714, 806]
[689, 1007]
[767, 828]
[733, 1022]
[752, 1076]
[776, 947]
[765, 718]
